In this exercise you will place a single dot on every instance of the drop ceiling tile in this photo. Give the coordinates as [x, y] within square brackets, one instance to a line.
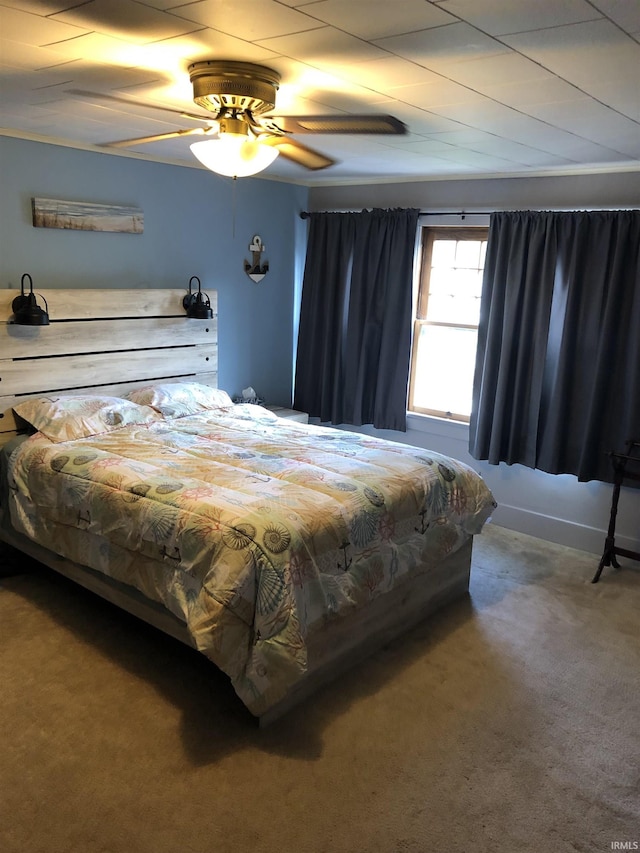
[580, 53]
[498, 17]
[299, 80]
[324, 48]
[251, 20]
[27, 56]
[432, 95]
[494, 70]
[24, 94]
[79, 74]
[17, 85]
[292, 104]
[372, 19]
[42, 7]
[625, 100]
[464, 137]
[106, 78]
[351, 102]
[477, 118]
[518, 152]
[551, 139]
[498, 120]
[122, 107]
[89, 46]
[441, 46]
[297, 4]
[50, 79]
[402, 141]
[425, 122]
[113, 114]
[625, 13]
[10, 115]
[391, 71]
[166, 5]
[628, 144]
[209, 44]
[482, 162]
[543, 91]
[23, 27]
[422, 146]
[583, 151]
[126, 20]
[168, 59]
[398, 168]
[587, 118]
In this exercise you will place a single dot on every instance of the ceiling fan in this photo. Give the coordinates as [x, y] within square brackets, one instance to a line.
[242, 140]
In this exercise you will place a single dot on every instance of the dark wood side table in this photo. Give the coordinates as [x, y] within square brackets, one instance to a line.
[626, 466]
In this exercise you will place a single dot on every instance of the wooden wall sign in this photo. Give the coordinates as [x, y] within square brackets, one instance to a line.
[84, 216]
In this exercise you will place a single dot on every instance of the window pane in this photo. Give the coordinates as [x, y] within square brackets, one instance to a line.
[444, 253]
[441, 282]
[456, 310]
[444, 369]
[458, 282]
[454, 296]
[468, 254]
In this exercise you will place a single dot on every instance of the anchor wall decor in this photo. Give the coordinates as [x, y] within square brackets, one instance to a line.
[255, 270]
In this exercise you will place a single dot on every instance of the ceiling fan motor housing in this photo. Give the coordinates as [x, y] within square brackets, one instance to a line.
[234, 86]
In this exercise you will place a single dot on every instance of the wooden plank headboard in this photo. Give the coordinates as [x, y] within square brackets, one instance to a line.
[102, 341]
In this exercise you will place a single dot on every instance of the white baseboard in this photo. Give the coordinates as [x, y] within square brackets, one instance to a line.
[558, 530]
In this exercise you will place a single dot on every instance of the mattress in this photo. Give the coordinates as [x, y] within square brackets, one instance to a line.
[256, 531]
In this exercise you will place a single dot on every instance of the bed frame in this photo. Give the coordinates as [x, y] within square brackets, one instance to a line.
[111, 341]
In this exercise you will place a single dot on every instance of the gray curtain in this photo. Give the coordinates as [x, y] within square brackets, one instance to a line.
[557, 379]
[354, 340]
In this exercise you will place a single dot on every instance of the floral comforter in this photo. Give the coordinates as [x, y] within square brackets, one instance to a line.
[253, 529]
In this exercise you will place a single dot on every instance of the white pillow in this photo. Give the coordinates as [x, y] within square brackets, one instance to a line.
[178, 399]
[82, 415]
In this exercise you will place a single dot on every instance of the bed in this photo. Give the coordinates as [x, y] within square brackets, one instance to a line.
[283, 552]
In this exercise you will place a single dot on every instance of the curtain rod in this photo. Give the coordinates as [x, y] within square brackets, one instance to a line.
[305, 214]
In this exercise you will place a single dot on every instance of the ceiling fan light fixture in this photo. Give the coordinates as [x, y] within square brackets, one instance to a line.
[236, 86]
[241, 94]
[234, 154]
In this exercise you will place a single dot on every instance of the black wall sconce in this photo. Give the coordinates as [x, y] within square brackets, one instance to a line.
[197, 305]
[26, 311]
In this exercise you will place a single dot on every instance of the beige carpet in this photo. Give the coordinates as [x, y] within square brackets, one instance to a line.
[510, 723]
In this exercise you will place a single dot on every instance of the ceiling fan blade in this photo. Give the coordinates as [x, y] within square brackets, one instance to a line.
[374, 124]
[298, 153]
[100, 96]
[157, 137]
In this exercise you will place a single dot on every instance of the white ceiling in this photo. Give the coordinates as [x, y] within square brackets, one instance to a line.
[486, 87]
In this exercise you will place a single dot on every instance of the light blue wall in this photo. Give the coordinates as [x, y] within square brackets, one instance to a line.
[195, 223]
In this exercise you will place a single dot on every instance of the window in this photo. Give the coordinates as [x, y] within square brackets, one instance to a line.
[445, 332]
